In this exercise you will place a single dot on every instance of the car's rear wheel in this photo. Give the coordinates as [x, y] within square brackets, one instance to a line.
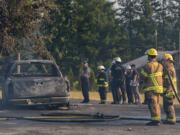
[6, 95]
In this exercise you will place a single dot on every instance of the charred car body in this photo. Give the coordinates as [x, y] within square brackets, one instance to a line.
[35, 82]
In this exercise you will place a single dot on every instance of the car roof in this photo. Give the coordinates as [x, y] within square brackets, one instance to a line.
[33, 61]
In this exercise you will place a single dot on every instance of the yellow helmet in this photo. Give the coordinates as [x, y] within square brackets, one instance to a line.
[168, 56]
[151, 52]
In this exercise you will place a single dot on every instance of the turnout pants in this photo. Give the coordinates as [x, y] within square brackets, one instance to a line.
[154, 105]
[169, 108]
[102, 94]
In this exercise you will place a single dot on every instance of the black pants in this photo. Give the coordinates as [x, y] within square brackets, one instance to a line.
[129, 94]
[145, 98]
[85, 90]
[118, 92]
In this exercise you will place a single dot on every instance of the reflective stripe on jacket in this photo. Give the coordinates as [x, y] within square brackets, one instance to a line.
[102, 80]
[152, 74]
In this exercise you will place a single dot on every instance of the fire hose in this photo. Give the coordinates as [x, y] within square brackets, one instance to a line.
[171, 83]
[75, 118]
[66, 117]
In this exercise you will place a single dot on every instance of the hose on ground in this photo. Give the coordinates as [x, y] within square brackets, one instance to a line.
[70, 117]
[98, 117]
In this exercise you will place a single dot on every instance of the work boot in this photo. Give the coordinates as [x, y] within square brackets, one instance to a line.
[115, 103]
[85, 101]
[102, 102]
[124, 102]
[169, 122]
[153, 123]
[130, 103]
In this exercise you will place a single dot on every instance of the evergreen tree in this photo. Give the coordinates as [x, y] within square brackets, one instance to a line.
[129, 13]
[84, 29]
[19, 21]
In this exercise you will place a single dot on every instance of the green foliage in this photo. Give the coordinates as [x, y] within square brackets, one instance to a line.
[73, 30]
[143, 17]
[84, 29]
[19, 24]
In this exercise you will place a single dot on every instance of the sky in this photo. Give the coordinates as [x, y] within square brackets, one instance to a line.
[116, 5]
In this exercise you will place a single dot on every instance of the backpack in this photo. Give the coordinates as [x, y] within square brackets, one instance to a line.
[118, 72]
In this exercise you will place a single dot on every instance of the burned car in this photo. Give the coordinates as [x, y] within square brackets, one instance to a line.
[35, 82]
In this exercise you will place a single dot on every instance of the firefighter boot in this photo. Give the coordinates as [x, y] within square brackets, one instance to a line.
[153, 123]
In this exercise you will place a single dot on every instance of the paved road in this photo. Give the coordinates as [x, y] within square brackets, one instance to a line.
[119, 127]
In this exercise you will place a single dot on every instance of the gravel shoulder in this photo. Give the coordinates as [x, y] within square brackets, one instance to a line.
[118, 127]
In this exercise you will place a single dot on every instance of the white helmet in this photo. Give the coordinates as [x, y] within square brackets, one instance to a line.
[128, 67]
[113, 62]
[117, 59]
[101, 67]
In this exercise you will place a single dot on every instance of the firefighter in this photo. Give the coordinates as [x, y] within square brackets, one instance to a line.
[152, 78]
[118, 81]
[168, 98]
[102, 84]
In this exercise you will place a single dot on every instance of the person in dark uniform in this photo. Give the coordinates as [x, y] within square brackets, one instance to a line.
[118, 82]
[84, 77]
[102, 84]
[128, 75]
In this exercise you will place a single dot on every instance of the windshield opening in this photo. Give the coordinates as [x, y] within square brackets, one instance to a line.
[35, 70]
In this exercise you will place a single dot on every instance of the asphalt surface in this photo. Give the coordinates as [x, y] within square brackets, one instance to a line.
[117, 127]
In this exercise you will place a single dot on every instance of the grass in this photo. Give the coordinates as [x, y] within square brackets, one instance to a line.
[93, 95]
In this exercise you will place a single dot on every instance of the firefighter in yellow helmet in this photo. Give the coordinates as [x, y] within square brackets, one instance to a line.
[152, 78]
[102, 84]
[168, 98]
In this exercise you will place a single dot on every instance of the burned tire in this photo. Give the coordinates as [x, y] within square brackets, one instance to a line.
[6, 96]
[4, 101]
